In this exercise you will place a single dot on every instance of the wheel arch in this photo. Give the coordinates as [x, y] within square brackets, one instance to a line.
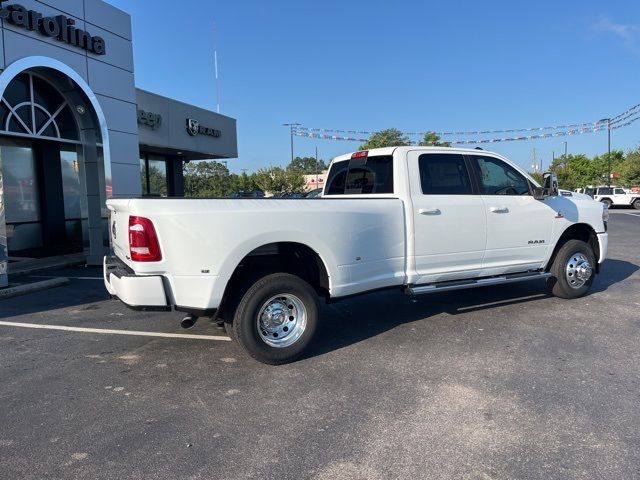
[578, 231]
[284, 256]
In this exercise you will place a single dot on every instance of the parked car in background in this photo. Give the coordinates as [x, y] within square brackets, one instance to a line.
[316, 193]
[617, 196]
[586, 190]
[247, 194]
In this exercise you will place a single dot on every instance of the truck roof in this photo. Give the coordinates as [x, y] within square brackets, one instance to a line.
[391, 150]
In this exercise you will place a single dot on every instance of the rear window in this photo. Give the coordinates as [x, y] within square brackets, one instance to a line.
[366, 175]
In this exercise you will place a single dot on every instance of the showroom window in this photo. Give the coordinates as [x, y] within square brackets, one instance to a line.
[153, 175]
[32, 107]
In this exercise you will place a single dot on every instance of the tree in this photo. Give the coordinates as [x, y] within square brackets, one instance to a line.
[206, 179]
[277, 180]
[307, 165]
[391, 137]
[630, 169]
[433, 139]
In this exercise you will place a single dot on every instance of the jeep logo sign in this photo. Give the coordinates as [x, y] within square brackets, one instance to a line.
[194, 128]
[153, 120]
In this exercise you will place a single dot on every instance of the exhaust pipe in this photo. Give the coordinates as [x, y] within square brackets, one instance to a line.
[188, 322]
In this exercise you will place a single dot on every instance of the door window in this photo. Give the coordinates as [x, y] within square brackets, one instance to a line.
[619, 191]
[444, 174]
[499, 178]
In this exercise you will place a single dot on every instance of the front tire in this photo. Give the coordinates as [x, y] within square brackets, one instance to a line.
[636, 204]
[573, 269]
[276, 318]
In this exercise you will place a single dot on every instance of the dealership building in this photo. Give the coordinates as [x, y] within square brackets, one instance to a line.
[75, 131]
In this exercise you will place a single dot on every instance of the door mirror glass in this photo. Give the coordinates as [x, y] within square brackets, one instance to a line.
[538, 193]
[550, 184]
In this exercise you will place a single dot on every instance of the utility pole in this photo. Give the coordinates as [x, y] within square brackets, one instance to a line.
[291, 127]
[608, 120]
[565, 149]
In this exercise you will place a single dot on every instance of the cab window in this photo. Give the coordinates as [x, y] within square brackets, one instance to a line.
[444, 174]
[499, 178]
[366, 175]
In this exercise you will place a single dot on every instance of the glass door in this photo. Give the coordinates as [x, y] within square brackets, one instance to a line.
[21, 197]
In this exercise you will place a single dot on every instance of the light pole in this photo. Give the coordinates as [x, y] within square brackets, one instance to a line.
[291, 126]
[608, 120]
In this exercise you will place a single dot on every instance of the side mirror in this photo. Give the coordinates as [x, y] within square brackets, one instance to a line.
[550, 184]
[538, 193]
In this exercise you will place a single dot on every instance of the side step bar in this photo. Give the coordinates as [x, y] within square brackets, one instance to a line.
[479, 282]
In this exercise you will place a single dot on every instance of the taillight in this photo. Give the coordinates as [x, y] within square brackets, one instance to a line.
[143, 241]
[360, 154]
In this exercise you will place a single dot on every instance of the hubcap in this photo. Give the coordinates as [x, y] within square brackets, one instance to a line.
[578, 270]
[282, 320]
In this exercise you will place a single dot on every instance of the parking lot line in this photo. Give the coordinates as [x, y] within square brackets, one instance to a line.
[115, 332]
[632, 214]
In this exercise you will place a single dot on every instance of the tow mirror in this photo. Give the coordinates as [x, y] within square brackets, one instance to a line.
[550, 184]
[538, 193]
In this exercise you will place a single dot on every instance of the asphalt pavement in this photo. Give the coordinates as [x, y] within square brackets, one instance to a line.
[491, 383]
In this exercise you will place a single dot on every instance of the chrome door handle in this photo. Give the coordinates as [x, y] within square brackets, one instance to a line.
[429, 211]
[499, 210]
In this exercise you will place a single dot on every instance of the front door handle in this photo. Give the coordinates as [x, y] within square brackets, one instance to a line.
[429, 211]
[499, 210]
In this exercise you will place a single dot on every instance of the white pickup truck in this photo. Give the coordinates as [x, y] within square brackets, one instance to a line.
[421, 219]
[616, 196]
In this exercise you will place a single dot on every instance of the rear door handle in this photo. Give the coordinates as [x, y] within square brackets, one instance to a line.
[499, 210]
[429, 211]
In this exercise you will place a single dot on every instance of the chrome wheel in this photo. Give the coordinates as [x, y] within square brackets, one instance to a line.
[578, 270]
[282, 320]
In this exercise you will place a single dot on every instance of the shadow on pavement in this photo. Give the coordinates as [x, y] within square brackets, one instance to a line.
[613, 271]
[76, 294]
[359, 318]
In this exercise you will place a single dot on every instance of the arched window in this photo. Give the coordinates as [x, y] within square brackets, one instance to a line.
[33, 107]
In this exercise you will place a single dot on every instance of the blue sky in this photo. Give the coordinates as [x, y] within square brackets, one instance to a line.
[413, 65]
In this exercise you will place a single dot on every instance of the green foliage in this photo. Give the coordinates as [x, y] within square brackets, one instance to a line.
[206, 179]
[537, 176]
[307, 165]
[433, 139]
[277, 180]
[576, 171]
[630, 169]
[391, 137]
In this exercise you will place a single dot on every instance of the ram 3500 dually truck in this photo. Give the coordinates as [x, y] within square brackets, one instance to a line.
[423, 219]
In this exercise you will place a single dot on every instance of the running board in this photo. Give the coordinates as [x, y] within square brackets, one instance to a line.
[480, 282]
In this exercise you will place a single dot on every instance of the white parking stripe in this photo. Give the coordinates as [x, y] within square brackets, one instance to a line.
[115, 332]
[632, 214]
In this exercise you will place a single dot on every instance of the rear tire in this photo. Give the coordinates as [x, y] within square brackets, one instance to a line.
[573, 270]
[276, 318]
[607, 202]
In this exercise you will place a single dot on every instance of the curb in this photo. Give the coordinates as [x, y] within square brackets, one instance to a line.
[32, 287]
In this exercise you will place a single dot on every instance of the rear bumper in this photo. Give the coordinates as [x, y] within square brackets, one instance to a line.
[603, 241]
[140, 292]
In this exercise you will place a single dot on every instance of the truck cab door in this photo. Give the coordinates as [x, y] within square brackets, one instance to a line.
[519, 227]
[449, 219]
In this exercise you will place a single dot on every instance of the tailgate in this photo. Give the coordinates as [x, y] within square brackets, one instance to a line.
[119, 228]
